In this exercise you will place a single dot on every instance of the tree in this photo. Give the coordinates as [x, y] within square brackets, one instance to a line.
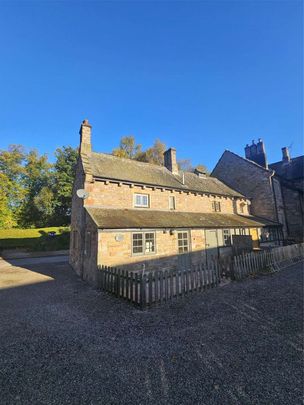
[7, 219]
[127, 148]
[12, 192]
[185, 165]
[34, 192]
[37, 175]
[64, 174]
[155, 154]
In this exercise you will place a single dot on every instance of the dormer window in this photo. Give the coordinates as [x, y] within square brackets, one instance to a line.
[141, 200]
[216, 206]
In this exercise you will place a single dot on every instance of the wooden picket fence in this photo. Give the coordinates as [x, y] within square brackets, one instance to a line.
[156, 287]
[267, 260]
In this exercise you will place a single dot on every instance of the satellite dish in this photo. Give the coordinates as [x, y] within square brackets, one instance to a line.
[81, 193]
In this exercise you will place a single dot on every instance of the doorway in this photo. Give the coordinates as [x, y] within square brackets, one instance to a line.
[211, 244]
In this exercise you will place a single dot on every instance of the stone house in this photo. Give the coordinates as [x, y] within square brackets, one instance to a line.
[275, 190]
[149, 217]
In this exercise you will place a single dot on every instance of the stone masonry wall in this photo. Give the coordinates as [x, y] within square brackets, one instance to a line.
[119, 253]
[250, 180]
[115, 195]
[77, 222]
[294, 213]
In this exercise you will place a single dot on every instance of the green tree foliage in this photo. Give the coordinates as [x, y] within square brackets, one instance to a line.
[64, 174]
[7, 219]
[36, 176]
[34, 192]
[12, 192]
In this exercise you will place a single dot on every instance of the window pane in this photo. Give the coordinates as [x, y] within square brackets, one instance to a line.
[149, 242]
[137, 243]
[182, 242]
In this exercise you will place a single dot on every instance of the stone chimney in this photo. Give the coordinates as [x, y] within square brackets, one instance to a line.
[85, 137]
[257, 153]
[285, 155]
[170, 160]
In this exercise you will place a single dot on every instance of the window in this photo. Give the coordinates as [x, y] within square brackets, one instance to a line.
[227, 237]
[171, 202]
[183, 243]
[149, 242]
[242, 208]
[141, 200]
[216, 206]
[143, 243]
[242, 231]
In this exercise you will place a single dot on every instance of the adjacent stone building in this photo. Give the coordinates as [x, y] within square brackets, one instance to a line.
[132, 214]
[275, 190]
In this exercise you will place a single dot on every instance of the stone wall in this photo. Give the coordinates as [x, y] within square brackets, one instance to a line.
[119, 253]
[77, 222]
[118, 195]
[249, 179]
[115, 249]
[294, 213]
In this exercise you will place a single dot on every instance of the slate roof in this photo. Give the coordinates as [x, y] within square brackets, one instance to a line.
[289, 170]
[137, 218]
[114, 168]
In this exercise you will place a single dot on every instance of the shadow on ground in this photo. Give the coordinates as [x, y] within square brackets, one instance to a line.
[64, 342]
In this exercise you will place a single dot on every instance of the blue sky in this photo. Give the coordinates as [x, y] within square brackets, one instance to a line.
[201, 76]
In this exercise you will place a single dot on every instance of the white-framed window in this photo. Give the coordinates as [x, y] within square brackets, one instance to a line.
[216, 206]
[143, 243]
[227, 237]
[171, 202]
[183, 242]
[242, 231]
[141, 200]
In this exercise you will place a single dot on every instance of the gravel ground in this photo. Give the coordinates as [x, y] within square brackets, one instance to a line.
[64, 343]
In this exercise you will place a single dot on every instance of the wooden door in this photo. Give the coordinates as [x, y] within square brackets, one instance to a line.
[211, 244]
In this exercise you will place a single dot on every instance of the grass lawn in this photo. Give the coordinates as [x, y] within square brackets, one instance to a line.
[35, 239]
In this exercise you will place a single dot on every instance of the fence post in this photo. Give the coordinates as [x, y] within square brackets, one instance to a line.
[142, 291]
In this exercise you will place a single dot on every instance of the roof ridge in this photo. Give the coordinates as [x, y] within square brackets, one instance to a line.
[291, 160]
[130, 160]
[249, 161]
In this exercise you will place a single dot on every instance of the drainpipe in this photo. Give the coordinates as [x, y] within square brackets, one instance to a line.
[275, 201]
[274, 195]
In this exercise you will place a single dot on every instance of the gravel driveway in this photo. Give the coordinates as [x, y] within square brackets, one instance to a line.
[64, 343]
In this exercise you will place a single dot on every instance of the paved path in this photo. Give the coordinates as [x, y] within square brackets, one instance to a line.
[61, 342]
